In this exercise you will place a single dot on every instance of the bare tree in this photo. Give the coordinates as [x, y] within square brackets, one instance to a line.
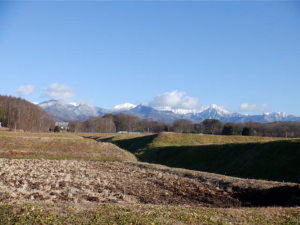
[19, 114]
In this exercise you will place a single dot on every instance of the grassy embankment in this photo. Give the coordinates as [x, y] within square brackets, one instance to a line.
[58, 146]
[144, 214]
[266, 158]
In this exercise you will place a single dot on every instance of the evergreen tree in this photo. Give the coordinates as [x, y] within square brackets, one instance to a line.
[57, 129]
[229, 130]
[247, 131]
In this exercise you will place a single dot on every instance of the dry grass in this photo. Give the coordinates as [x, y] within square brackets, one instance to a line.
[143, 214]
[222, 181]
[41, 135]
[176, 139]
[180, 139]
[58, 146]
[248, 157]
[23, 180]
[109, 137]
[53, 181]
[78, 192]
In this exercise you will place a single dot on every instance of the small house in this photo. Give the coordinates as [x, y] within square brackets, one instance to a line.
[64, 126]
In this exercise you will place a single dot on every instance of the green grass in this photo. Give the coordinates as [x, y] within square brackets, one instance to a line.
[278, 161]
[275, 159]
[143, 214]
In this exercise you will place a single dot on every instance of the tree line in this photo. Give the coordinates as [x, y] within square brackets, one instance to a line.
[125, 122]
[19, 114]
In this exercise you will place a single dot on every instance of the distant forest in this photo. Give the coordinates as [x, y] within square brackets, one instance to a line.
[19, 114]
[125, 122]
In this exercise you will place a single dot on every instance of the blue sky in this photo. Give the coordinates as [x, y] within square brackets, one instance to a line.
[243, 56]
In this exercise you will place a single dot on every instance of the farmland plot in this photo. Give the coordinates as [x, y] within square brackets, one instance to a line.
[55, 181]
[37, 191]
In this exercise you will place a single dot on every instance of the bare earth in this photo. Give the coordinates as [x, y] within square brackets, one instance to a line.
[55, 181]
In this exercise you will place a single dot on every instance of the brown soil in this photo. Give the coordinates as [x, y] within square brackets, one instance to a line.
[153, 187]
[54, 181]
[24, 180]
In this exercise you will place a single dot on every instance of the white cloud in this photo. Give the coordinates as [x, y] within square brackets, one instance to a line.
[25, 90]
[174, 100]
[59, 92]
[245, 107]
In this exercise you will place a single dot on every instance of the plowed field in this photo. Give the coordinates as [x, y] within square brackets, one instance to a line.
[49, 181]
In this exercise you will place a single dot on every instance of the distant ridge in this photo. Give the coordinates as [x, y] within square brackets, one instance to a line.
[72, 111]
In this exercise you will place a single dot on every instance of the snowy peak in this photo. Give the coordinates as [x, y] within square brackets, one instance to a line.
[73, 104]
[218, 110]
[125, 106]
[279, 114]
[69, 111]
[86, 110]
[208, 109]
[73, 111]
[213, 106]
[188, 111]
[48, 104]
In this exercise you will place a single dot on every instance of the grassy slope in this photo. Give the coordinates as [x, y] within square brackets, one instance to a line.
[58, 146]
[250, 157]
[144, 214]
[271, 161]
[176, 139]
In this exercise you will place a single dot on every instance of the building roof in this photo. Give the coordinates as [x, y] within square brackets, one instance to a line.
[62, 124]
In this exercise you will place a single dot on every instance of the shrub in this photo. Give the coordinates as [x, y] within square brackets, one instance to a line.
[190, 131]
[247, 131]
[229, 130]
[57, 129]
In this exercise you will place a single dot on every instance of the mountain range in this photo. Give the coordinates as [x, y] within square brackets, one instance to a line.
[73, 111]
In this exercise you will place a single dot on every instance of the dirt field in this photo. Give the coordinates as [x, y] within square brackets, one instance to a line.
[89, 181]
[54, 181]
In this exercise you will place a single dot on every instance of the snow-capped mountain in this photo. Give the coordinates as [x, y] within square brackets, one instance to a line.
[85, 111]
[74, 111]
[58, 111]
[73, 104]
[122, 107]
[206, 112]
[143, 112]
[70, 111]
[273, 117]
[186, 111]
